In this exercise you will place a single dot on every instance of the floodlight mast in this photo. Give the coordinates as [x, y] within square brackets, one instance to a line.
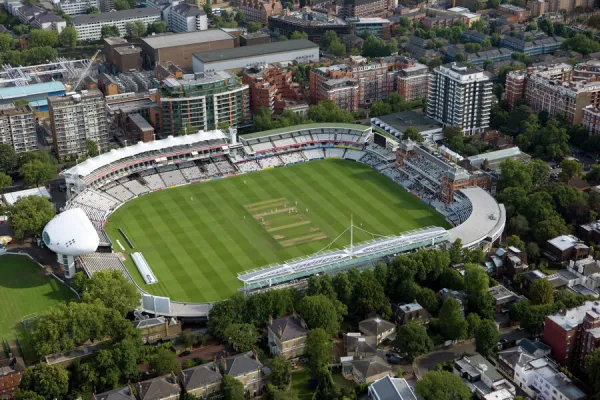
[351, 236]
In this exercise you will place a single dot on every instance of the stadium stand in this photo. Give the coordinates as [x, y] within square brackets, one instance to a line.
[136, 187]
[173, 178]
[121, 193]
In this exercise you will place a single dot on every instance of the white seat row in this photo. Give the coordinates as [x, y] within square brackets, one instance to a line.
[135, 187]
[173, 178]
[154, 182]
[120, 192]
[192, 173]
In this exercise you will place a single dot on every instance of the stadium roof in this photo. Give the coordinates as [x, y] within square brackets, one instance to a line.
[92, 164]
[182, 39]
[486, 220]
[14, 92]
[114, 15]
[71, 233]
[295, 128]
[254, 51]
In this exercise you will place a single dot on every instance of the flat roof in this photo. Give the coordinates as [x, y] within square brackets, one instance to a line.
[28, 90]
[402, 120]
[186, 38]
[13, 197]
[114, 15]
[305, 126]
[254, 51]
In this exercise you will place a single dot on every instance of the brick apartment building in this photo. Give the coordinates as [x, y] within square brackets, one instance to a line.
[413, 81]
[374, 80]
[568, 5]
[259, 10]
[11, 371]
[363, 8]
[270, 86]
[591, 119]
[573, 334]
[554, 89]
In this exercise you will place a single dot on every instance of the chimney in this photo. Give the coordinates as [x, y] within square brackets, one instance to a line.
[279, 331]
[255, 354]
[270, 320]
[224, 363]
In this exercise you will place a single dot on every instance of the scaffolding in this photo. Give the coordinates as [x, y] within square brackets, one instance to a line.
[67, 71]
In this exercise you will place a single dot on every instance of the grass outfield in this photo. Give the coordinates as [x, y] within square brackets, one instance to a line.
[24, 290]
[196, 238]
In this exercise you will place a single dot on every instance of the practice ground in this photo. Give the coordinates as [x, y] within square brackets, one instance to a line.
[24, 290]
[196, 238]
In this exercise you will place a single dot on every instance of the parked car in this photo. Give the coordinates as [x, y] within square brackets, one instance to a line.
[185, 353]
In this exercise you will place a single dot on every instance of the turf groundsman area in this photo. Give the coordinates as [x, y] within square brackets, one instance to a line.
[197, 238]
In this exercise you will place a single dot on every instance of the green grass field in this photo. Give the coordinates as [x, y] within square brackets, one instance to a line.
[25, 290]
[196, 238]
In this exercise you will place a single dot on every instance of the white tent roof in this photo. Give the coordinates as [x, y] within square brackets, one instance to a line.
[11, 198]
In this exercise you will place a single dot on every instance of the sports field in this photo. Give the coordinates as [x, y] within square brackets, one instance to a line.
[196, 238]
[25, 290]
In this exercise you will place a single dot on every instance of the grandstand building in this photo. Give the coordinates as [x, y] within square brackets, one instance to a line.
[99, 186]
[203, 103]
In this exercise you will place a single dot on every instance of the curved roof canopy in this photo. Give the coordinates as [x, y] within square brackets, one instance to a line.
[71, 233]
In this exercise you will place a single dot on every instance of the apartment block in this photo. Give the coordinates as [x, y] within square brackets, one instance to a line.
[591, 119]
[17, 128]
[260, 10]
[573, 333]
[76, 7]
[374, 82]
[89, 26]
[186, 17]
[76, 118]
[541, 378]
[460, 96]
[363, 8]
[313, 23]
[270, 86]
[553, 89]
[569, 5]
[587, 71]
[203, 103]
[413, 81]
[379, 27]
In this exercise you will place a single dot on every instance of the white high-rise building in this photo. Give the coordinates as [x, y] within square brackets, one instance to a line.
[186, 17]
[17, 128]
[76, 118]
[75, 7]
[460, 96]
[89, 26]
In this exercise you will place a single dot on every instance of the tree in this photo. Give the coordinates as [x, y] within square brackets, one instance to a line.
[163, 362]
[5, 181]
[592, 365]
[541, 292]
[92, 148]
[68, 37]
[29, 215]
[223, 314]
[27, 395]
[37, 173]
[412, 134]
[412, 339]
[122, 5]
[48, 381]
[92, 10]
[473, 322]
[318, 346]
[320, 312]
[456, 255]
[327, 38]
[476, 280]
[240, 17]
[298, 35]
[452, 324]
[450, 131]
[242, 337]
[157, 27]
[253, 26]
[442, 385]
[281, 372]
[232, 389]
[452, 279]
[581, 44]
[135, 29]
[337, 48]
[42, 38]
[8, 158]
[570, 169]
[375, 47]
[486, 337]
[109, 31]
[6, 41]
[113, 290]
[515, 241]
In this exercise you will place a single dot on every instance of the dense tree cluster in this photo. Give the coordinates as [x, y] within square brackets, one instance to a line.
[393, 104]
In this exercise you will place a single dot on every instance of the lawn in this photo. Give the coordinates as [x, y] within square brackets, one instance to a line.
[25, 290]
[300, 380]
[196, 238]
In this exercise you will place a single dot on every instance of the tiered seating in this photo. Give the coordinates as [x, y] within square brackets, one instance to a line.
[292, 158]
[313, 154]
[321, 137]
[95, 262]
[211, 169]
[154, 182]
[120, 192]
[166, 168]
[173, 178]
[303, 138]
[192, 173]
[270, 162]
[371, 160]
[249, 166]
[284, 142]
[225, 167]
[135, 187]
[262, 146]
[104, 239]
[334, 153]
[354, 154]
[147, 172]
[98, 200]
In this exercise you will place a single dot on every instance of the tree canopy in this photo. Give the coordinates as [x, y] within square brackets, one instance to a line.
[48, 381]
[29, 215]
[318, 346]
[242, 337]
[113, 290]
[37, 173]
[442, 385]
[486, 337]
[413, 340]
[452, 324]
[320, 312]
[541, 292]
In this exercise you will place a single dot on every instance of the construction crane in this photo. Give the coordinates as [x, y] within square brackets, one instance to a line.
[85, 71]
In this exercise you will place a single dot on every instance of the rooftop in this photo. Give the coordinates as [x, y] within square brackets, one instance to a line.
[389, 388]
[419, 121]
[277, 131]
[564, 242]
[14, 92]
[288, 328]
[114, 15]
[571, 318]
[186, 38]
[255, 51]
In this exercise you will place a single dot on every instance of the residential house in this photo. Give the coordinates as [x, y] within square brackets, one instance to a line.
[48, 21]
[459, 295]
[388, 388]
[359, 346]
[378, 327]
[565, 247]
[588, 269]
[11, 371]
[287, 336]
[201, 381]
[481, 376]
[161, 388]
[365, 371]
[542, 379]
[405, 313]
[503, 300]
[154, 329]
[526, 350]
[123, 393]
[246, 368]
[589, 232]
